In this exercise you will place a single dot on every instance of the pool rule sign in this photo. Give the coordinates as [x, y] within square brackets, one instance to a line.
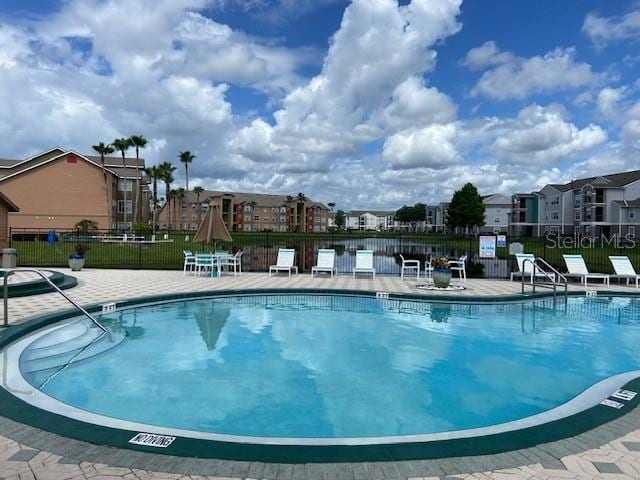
[487, 247]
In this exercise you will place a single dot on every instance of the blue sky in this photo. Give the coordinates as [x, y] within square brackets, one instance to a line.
[369, 103]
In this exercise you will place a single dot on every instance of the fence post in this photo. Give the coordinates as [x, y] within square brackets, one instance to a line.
[10, 237]
[139, 255]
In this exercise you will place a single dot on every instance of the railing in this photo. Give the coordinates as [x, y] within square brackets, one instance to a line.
[10, 271]
[554, 276]
[36, 248]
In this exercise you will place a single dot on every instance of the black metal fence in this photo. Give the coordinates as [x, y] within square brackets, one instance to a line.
[164, 250]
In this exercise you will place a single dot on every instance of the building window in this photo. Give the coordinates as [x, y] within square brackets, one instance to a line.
[283, 209]
[125, 185]
[247, 218]
[265, 210]
[555, 200]
[247, 228]
[256, 218]
[578, 215]
[631, 231]
[632, 213]
[247, 208]
[124, 225]
[125, 206]
[556, 216]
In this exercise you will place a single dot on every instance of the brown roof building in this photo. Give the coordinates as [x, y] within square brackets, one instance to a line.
[6, 206]
[58, 188]
[247, 212]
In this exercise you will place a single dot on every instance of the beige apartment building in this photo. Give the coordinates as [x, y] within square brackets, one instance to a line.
[247, 212]
[58, 188]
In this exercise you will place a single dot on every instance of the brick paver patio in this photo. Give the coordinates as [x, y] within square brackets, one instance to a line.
[611, 451]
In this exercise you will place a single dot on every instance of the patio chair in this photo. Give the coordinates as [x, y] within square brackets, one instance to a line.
[326, 262]
[428, 268]
[409, 265]
[364, 263]
[205, 262]
[233, 262]
[577, 268]
[526, 268]
[459, 266]
[624, 268]
[284, 262]
[189, 262]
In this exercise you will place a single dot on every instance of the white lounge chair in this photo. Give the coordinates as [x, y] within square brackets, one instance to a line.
[284, 262]
[459, 266]
[409, 265]
[526, 268]
[577, 268]
[326, 262]
[624, 268]
[364, 263]
[189, 262]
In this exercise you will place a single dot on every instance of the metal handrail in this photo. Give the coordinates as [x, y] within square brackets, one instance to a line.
[548, 265]
[11, 271]
[536, 269]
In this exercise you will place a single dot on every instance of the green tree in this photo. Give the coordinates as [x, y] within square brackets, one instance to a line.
[412, 214]
[154, 173]
[198, 191]
[138, 142]
[166, 174]
[186, 158]
[178, 195]
[103, 149]
[86, 225]
[123, 144]
[466, 209]
[340, 219]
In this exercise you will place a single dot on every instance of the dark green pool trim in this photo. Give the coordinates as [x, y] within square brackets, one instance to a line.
[39, 286]
[17, 410]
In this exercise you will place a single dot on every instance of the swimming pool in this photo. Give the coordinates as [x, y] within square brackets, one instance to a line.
[333, 369]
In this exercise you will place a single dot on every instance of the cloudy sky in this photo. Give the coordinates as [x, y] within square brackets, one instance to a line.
[368, 103]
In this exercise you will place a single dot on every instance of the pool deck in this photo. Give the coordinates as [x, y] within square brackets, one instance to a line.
[610, 451]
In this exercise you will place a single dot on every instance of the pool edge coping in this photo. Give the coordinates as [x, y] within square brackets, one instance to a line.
[496, 443]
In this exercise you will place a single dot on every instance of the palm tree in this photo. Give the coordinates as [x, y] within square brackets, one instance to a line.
[198, 191]
[179, 195]
[290, 213]
[301, 198]
[331, 205]
[138, 141]
[103, 149]
[186, 157]
[166, 175]
[155, 174]
[123, 145]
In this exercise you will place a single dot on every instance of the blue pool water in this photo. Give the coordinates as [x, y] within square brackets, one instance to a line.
[337, 366]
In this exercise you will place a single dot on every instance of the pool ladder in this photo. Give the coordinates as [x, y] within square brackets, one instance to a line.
[10, 271]
[551, 274]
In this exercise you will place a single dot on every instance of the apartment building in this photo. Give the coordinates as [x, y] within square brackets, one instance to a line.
[57, 188]
[370, 220]
[247, 212]
[592, 207]
[496, 214]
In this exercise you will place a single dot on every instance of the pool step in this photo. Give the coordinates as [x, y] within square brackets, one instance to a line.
[74, 345]
[62, 343]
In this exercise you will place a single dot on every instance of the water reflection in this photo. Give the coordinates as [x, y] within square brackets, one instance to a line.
[327, 366]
